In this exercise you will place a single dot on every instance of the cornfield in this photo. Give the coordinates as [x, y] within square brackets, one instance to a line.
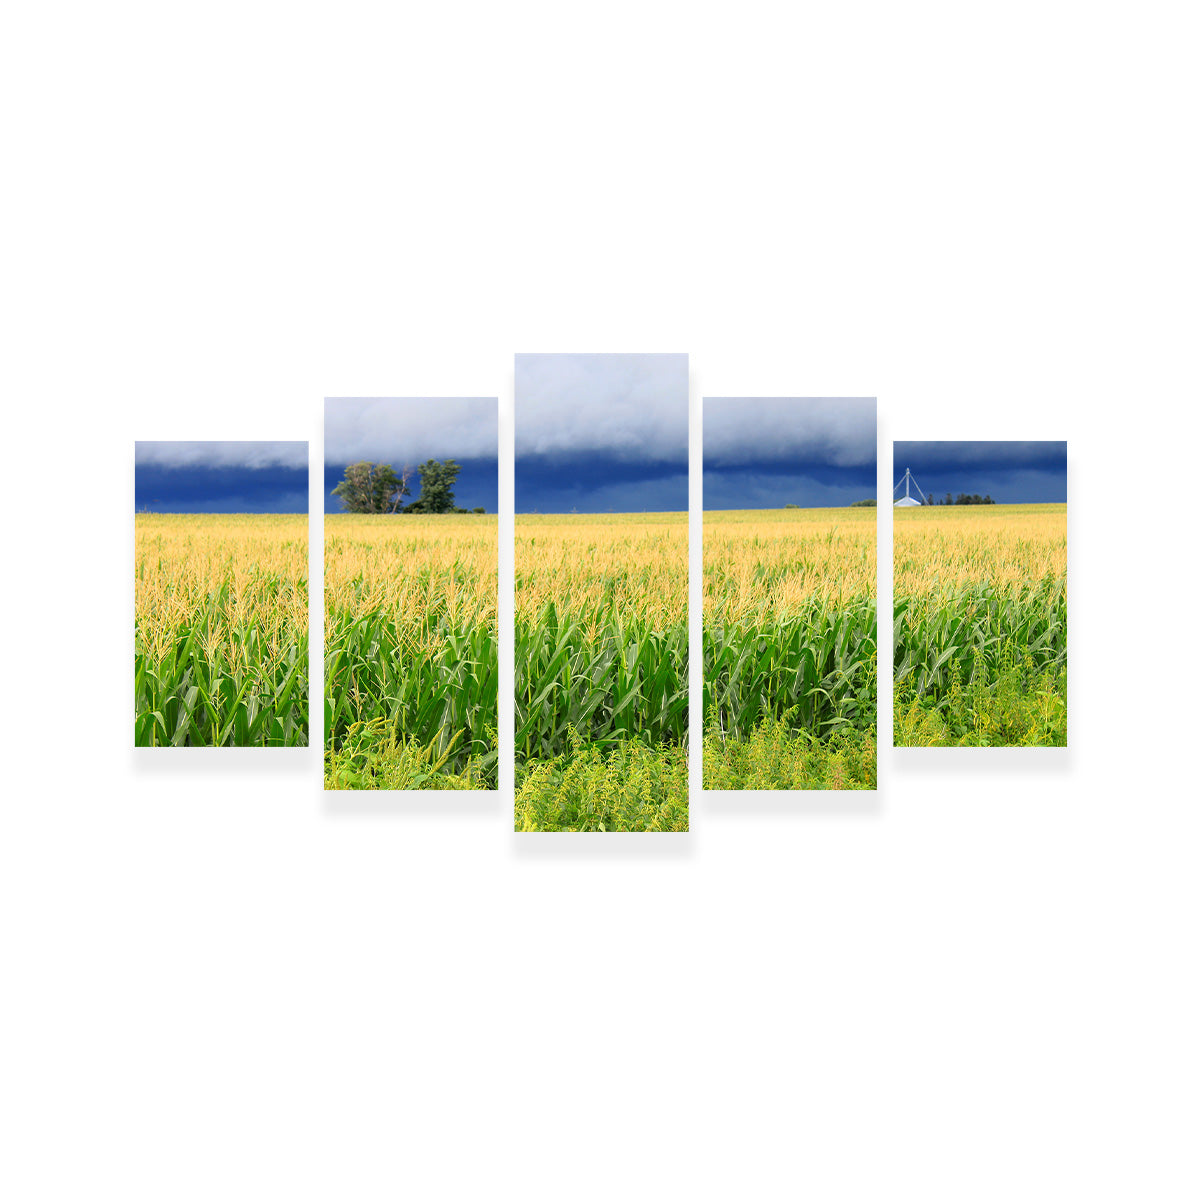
[220, 630]
[410, 649]
[980, 625]
[600, 647]
[789, 629]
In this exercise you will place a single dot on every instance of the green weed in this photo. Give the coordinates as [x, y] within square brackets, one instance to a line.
[372, 757]
[626, 787]
[776, 756]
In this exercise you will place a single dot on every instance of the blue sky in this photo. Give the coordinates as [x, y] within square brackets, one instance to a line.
[221, 477]
[815, 452]
[1010, 472]
[601, 432]
[410, 430]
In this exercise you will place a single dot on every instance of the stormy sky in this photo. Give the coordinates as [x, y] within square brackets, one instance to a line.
[601, 432]
[221, 477]
[411, 430]
[815, 452]
[1010, 472]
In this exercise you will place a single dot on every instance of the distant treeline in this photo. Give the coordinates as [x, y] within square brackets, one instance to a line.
[962, 498]
[855, 504]
[378, 488]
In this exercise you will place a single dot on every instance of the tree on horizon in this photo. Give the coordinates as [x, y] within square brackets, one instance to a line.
[376, 488]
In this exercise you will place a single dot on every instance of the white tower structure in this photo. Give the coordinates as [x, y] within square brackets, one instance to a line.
[908, 501]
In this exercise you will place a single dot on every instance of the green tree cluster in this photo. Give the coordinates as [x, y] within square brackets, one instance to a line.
[376, 488]
[372, 488]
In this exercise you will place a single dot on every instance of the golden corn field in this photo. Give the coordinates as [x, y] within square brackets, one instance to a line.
[980, 625]
[790, 676]
[600, 649]
[410, 651]
[220, 630]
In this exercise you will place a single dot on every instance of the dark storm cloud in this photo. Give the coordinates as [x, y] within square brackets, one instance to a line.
[983, 456]
[221, 477]
[601, 432]
[220, 489]
[599, 483]
[750, 431]
[816, 452]
[767, 486]
[1010, 472]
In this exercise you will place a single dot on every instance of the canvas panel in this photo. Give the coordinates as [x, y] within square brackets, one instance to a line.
[601, 592]
[410, 593]
[790, 663]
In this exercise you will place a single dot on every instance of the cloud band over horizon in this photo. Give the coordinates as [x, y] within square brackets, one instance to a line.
[410, 429]
[221, 477]
[1010, 472]
[601, 432]
[768, 452]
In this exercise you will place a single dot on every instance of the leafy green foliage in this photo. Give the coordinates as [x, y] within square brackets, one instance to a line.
[437, 487]
[376, 488]
[776, 756]
[626, 787]
[372, 488]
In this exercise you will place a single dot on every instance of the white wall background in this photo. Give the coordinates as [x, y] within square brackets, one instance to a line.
[218, 982]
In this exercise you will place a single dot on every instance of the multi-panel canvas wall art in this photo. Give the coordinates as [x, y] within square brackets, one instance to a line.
[980, 584]
[790, 663]
[221, 594]
[601, 591]
[410, 593]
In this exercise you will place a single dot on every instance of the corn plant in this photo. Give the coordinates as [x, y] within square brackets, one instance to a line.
[410, 649]
[601, 652]
[220, 630]
[434, 684]
[817, 665]
[971, 631]
[603, 675]
[980, 626]
[789, 647]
